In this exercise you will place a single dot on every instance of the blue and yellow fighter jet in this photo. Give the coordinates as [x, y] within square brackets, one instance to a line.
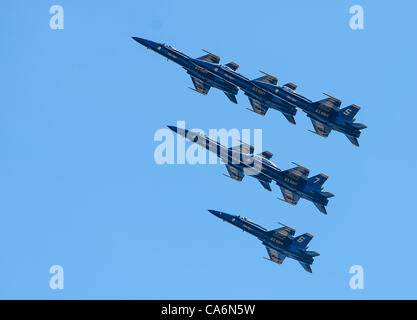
[202, 79]
[265, 93]
[326, 114]
[241, 160]
[280, 243]
[260, 98]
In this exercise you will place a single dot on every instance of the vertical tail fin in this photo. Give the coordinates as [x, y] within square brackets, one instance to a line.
[303, 240]
[349, 112]
[316, 182]
[232, 65]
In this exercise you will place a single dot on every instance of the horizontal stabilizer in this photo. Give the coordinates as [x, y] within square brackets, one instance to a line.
[321, 207]
[306, 266]
[359, 126]
[265, 184]
[353, 140]
[327, 194]
[312, 253]
[291, 85]
[231, 97]
[289, 117]
[232, 65]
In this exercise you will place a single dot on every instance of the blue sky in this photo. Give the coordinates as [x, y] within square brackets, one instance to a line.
[79, 186]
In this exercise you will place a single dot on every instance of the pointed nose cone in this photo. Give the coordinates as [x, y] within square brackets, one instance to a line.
[216, 213]
[179, 131]
[144, 42]
[224, 216]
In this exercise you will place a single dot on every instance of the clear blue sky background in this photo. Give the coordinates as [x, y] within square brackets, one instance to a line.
[79, 186]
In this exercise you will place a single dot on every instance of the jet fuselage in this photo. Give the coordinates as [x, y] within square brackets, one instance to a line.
[330, 117]
[250, 88]
[253, 165]
[188, 64]
[283, 244]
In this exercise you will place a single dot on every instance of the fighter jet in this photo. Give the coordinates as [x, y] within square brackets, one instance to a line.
[260, 98]
[324, 114]
[202, 79]
[280, 243]
[240, 161]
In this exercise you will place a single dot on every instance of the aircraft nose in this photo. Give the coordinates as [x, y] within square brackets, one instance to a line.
[173, 128]
[180, 131]
[144, 42]
[216, 213]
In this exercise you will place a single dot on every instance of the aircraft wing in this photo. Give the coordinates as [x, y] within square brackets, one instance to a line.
[328, 103]
[283, 231]
[275, 256]
[200, 86]
[289, 196]
[243, 148]
[321, 129]
[267, 78]
[265, 184]
[299, 171]
[210, 57]
[258, 107]
[235, 173]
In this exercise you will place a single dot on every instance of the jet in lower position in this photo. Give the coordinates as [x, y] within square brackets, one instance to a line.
[240, 161]
[280, 243]
[202, 79]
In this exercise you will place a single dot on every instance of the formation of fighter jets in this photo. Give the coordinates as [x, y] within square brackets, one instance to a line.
[241, 161]
[265, 93]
